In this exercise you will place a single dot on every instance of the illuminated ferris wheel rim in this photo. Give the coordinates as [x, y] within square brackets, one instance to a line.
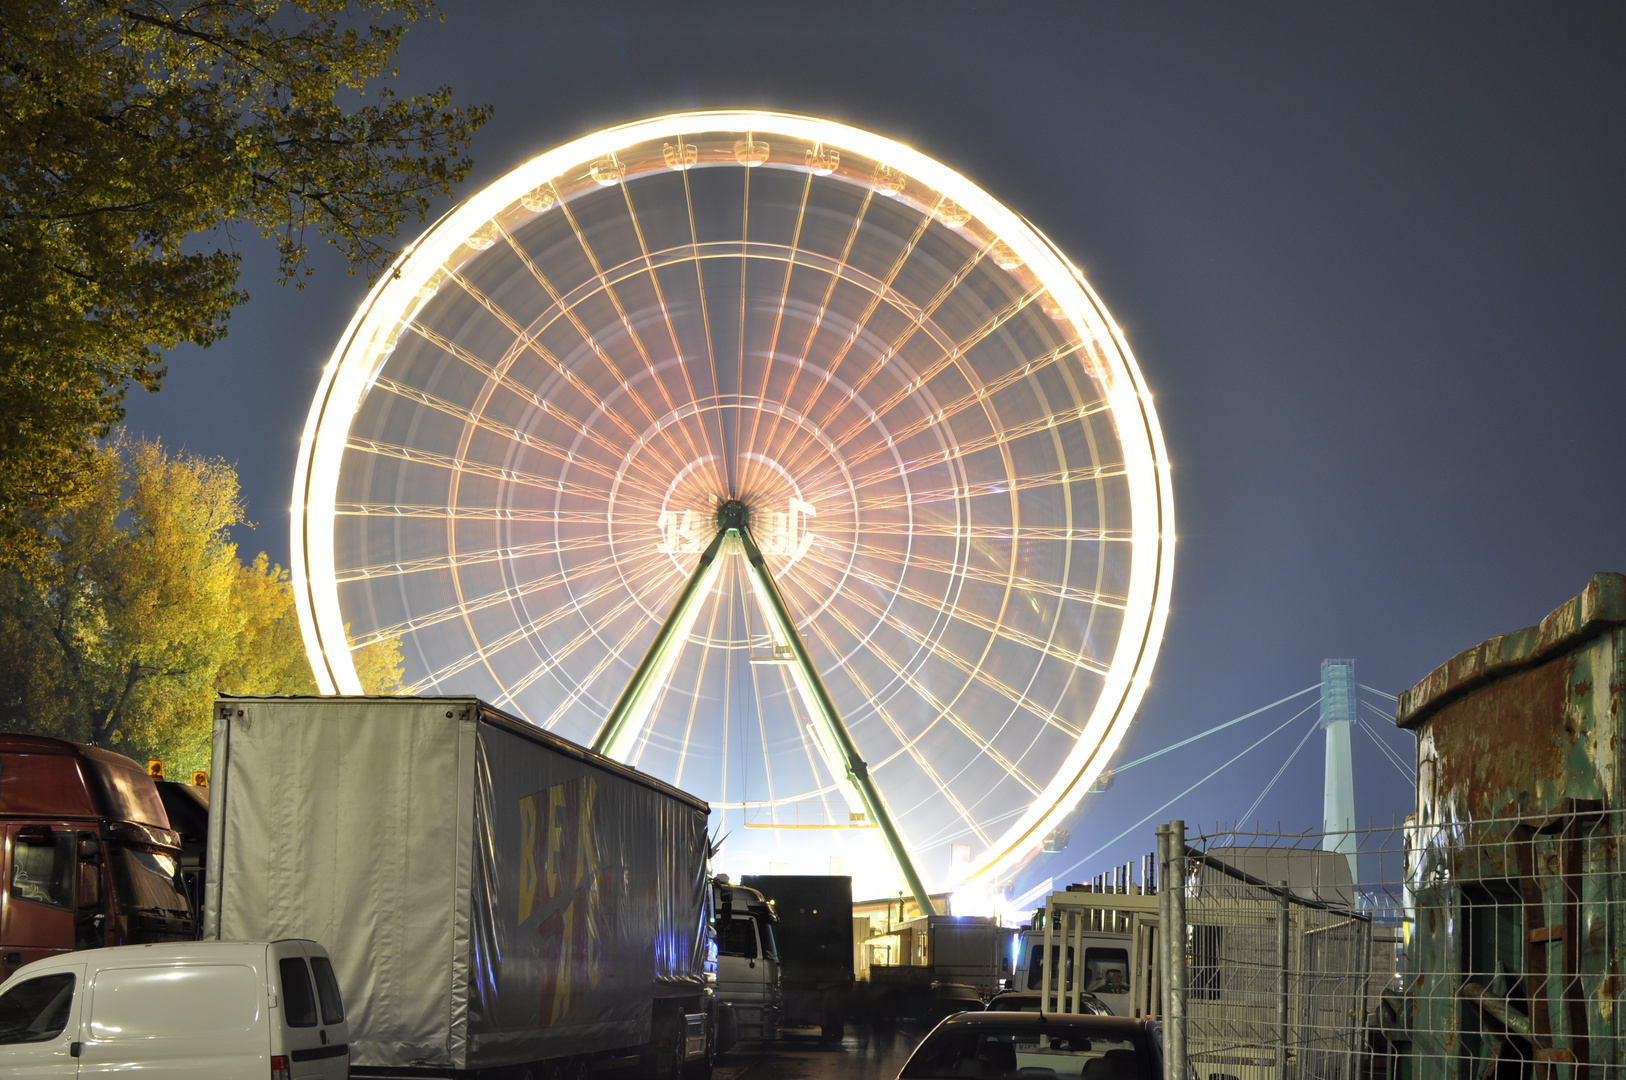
[365, 344]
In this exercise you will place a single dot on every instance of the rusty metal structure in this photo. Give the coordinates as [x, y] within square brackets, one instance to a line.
[1516, 907]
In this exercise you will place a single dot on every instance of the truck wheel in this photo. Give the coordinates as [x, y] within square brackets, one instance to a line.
[700, 1068]
[668, 1060]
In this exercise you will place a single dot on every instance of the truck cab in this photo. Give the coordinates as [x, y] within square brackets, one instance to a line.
[88, 858]
[1103, 970]
[748, 968]
[1099, 943]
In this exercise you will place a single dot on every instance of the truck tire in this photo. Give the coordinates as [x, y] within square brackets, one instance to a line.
[728, 1029]
[700, 1068]
[666, 1061]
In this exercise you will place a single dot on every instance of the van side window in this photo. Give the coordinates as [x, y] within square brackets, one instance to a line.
[327, 989]
[36, 1010]
[43, 873]
[298, 1003]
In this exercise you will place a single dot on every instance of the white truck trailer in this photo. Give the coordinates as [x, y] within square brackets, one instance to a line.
[492, 896]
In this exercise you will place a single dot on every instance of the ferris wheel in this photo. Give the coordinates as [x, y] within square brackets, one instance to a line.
[769, 456]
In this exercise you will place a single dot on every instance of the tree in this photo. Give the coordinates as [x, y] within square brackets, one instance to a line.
[133, 134]
[144, 612]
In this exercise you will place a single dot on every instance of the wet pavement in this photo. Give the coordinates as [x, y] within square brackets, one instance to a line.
[864, 1054]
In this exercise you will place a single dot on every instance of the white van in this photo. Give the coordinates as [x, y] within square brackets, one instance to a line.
[221, 1010]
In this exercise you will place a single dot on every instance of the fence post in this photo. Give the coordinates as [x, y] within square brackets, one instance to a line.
[1174, 879]
[1162, 924]
[1165, 934]
[1283, 916]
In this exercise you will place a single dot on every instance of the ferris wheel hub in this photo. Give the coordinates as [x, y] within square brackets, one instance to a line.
[733, 514]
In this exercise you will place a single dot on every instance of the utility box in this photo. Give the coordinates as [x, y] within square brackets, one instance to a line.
[1515, 900]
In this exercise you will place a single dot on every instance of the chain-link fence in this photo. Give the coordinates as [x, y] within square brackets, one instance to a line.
[1486, 950]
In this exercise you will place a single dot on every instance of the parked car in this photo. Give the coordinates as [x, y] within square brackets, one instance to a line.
[947, 998]
[1038, 1046]
[1029, 1001]
[210, 1010]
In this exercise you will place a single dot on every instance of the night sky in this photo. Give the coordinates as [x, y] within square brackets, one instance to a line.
[1370, 258]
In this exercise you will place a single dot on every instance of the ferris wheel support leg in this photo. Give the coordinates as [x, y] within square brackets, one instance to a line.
[625, 722]
[825, 708]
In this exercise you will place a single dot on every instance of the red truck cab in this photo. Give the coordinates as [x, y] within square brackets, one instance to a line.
[89, 858]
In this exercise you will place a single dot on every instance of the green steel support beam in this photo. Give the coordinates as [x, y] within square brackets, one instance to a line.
[633, 707]
[825, 709]
[625, 722]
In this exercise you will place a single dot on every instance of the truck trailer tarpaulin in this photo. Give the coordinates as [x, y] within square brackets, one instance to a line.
[490, 894]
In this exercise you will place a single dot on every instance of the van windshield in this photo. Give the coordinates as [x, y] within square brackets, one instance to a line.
[148, 880]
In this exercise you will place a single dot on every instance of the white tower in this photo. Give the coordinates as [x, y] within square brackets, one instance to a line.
[1338, 795]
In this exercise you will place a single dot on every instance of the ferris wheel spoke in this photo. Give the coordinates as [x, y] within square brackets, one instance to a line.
[887, 440]
[459, 559]
[971, 572]
[478, 420]
[1001, 533]
[1000, 437]
[712, 454]
[588, 338]
[469, 513]
[628, 385]
[524, 337]
[470, 605]
[981, 622]
[978, 395]
[975, 671]
[588, 633]
[836, 272]
[627, 323]
[910, 745]
[517, 634]
[778, 321]
[945, 710]
[705, 314]
[458, 463]
[1003, 486]
[530, 396]
[861, 323]
[919, 320]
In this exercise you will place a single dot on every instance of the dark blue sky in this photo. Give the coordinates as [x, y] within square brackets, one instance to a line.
[1371, 259]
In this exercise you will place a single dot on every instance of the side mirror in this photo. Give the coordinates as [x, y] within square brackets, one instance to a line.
[90, 849]
[90, 886]
[35, 836]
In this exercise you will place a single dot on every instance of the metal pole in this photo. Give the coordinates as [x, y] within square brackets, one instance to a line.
[1174, 1040]
[825, 708]
[1046, 968]
[1163, 922]
[1283, 915]
[632, 707]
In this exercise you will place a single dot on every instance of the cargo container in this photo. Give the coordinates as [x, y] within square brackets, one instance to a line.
[815, 936]
[492, 895]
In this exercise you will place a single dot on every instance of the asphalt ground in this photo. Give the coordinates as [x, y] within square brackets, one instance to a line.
[865, 1053]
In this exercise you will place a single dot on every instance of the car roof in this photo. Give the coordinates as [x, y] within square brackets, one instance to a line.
[1121, 1025]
